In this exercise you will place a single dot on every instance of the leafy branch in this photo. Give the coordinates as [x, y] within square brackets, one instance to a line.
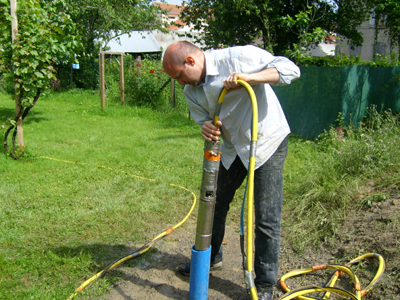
[45, 36]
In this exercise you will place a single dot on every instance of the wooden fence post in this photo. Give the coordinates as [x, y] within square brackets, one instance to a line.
[139, 63]
[121, 78]
[172, 93]
[102, 85]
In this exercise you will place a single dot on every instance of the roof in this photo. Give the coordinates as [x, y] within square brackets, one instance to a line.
[171, 8]
[137, 42]
[174, 27]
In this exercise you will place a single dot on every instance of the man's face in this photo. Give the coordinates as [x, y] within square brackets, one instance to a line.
[185, 74]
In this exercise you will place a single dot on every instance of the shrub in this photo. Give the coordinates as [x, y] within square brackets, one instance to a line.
[86, 77]
[146, 84]
[341, 60]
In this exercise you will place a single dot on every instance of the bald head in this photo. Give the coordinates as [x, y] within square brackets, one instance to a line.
[177, 53]
[184, 62]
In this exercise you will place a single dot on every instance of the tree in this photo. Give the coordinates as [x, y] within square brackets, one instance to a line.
[98, 21]
[390, 9]
[102, 20]
[235, 22]
[45, 36]
[306, 38]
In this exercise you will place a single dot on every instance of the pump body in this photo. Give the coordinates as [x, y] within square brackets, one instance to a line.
[201, 252]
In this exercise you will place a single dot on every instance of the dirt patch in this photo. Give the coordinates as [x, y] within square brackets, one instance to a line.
[374, 229]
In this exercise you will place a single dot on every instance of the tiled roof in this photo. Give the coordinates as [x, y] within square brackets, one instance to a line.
[174, 27]
[172, 8]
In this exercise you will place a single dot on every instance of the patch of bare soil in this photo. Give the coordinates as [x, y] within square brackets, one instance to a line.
[374, 229]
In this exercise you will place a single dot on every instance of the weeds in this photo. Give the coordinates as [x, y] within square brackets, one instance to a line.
[336, 170]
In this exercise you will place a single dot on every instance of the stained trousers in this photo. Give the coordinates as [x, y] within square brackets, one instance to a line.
[268, 194]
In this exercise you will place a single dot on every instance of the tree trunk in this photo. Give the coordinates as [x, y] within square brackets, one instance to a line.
[17, 96]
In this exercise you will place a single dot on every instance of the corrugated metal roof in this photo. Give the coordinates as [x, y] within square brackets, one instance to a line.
[137, 42]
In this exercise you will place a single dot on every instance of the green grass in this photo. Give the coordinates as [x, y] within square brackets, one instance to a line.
[106, 187]
[64, 221]
[334, 176]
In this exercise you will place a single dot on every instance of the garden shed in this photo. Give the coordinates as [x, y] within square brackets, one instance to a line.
[137, 43]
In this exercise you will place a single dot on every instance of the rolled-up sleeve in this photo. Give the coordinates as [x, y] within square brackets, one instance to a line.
[288, 71]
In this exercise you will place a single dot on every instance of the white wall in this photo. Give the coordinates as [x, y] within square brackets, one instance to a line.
[366, 51]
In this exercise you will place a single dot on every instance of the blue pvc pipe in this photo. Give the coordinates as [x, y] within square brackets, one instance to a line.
[199, 274]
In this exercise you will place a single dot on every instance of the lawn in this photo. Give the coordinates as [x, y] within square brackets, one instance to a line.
[94, 185]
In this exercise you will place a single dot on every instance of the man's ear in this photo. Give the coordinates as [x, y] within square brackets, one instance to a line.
[190, 61]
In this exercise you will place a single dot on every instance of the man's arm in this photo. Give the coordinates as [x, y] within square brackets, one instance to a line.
[278, 71]
[270, 76]
[209, 131]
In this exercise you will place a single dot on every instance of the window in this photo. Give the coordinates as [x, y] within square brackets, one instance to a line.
[380, 48]
[381, 22]
[356, 51]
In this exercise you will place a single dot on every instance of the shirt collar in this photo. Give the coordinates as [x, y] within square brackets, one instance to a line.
[211, 69]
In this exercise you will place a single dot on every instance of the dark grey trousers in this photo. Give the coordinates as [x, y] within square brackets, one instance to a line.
[268, 190]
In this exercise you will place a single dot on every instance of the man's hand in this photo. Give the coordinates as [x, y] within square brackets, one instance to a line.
[270, 76]
[210, 132]
[231, 84]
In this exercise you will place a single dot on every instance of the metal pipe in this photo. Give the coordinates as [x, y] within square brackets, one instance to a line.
[201, 252]
[208, 195]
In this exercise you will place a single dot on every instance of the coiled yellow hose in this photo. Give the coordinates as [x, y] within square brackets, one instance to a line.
[329, 288]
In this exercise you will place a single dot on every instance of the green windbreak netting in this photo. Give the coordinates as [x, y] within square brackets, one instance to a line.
[313, 102]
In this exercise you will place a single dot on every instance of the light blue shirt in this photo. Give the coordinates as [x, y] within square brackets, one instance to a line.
[236, 110]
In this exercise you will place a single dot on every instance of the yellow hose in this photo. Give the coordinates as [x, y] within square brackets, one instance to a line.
[298, 293]
[329, 288]
[141, 251]
[147, 246]
[250, 194]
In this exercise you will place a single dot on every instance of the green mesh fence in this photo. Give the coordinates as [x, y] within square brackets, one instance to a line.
[313, 102]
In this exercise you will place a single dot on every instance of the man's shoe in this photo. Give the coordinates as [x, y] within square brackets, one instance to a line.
[264, 296]
[185, 269]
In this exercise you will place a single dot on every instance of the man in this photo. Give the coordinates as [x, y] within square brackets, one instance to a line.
[204, 75]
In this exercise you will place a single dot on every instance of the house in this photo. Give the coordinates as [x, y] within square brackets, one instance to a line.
[175, 33]
[325, 48]
[173, 14]
[371, 45]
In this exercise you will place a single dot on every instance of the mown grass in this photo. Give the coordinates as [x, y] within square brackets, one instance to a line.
[63, 221]
[105, 187]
